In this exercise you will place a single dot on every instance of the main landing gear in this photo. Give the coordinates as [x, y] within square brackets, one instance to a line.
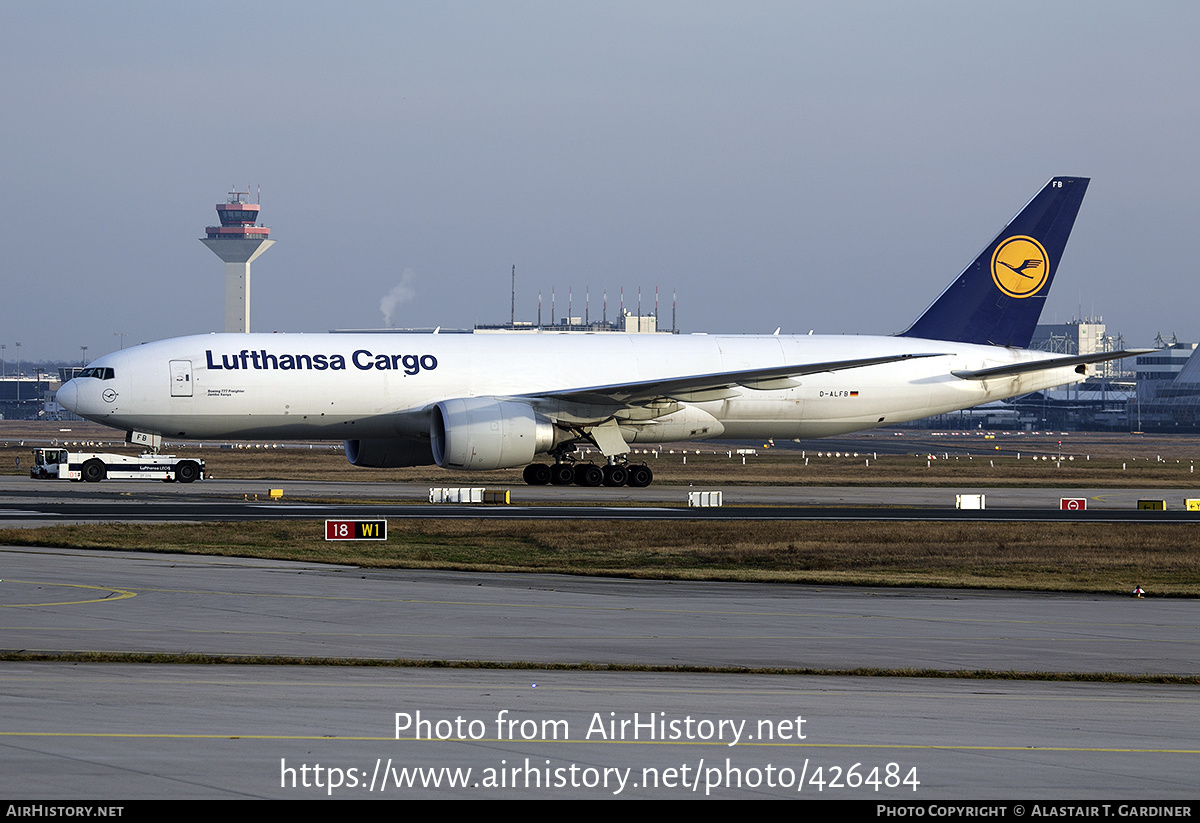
[564, 473]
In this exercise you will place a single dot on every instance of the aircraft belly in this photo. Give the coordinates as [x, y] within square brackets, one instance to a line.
[688, 423]
[274, 426]
[770, 414]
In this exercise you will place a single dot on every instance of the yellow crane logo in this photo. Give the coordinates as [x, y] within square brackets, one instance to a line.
[1020, 266]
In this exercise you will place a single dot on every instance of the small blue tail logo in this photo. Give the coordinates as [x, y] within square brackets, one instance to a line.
[1020, 266]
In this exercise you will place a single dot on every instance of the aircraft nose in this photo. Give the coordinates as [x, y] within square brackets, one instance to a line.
[68, 395]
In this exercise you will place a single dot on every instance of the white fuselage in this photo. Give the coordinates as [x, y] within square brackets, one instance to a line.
[347, 386]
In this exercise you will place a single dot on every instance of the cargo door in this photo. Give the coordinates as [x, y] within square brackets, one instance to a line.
[181, 378]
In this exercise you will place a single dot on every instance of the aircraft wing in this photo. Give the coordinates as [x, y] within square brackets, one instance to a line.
[1046, 365]
[701, 387]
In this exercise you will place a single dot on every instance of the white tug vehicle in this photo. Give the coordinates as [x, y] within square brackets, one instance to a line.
[62, 464]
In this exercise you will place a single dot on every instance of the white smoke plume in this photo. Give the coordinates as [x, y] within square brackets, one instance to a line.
[401, 293]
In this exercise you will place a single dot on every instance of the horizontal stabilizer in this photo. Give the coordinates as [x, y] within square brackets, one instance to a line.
[1047, 365]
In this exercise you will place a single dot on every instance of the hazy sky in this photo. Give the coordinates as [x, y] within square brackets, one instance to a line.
[825, 166]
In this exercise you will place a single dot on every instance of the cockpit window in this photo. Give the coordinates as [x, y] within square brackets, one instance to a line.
[99, 372]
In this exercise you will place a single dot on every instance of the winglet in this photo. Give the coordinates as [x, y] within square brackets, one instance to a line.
[998, 299]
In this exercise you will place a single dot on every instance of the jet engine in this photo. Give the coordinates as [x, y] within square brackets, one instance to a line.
[481, 433]
[389, 453]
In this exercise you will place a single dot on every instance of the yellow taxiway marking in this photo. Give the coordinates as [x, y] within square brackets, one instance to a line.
[723, 744]
[114, 594]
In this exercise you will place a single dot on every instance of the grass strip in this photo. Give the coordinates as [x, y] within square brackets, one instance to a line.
[1079, 460]
[526, 665]
[1091, 558]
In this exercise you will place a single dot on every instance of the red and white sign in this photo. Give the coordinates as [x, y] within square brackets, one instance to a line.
[1072, 504]
[356, 530]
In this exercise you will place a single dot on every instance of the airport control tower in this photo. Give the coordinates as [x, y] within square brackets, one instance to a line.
[238, 241]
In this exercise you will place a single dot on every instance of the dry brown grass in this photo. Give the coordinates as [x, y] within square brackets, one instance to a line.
[1112, 558]
[1117, 461]
[1165, 559]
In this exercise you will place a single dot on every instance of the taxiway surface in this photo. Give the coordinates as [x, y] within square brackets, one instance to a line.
[61, 600]
[130, 730]
[121, 731]
[26, 502]
[126, 732]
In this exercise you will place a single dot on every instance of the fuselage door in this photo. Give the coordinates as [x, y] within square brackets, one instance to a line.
[181, 378]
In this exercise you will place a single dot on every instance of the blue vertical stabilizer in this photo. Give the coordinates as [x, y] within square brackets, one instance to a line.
[998, 299]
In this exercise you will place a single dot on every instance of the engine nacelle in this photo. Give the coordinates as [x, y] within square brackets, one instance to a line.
[481, 433]
[389, 453]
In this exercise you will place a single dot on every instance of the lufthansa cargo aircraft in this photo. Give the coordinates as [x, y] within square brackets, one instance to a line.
[479, 402]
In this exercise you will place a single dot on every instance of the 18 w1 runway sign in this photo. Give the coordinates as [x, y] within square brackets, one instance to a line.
[356, 530]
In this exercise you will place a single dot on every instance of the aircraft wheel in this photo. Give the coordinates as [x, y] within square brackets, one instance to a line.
[562, 474]
[615, 475]
[187, 472]
[93, 471]
[640, 476]
[588, 474]
[537, 474]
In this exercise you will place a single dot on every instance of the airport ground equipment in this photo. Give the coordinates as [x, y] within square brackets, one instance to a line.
[62, 464]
